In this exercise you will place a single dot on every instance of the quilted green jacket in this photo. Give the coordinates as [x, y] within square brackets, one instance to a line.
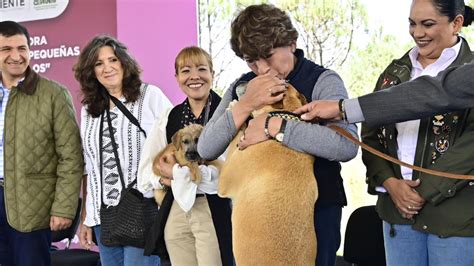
[42, 154]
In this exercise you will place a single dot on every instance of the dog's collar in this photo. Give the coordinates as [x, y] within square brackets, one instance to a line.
[285, 115]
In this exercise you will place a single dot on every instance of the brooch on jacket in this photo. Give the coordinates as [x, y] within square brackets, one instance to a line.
[442, 128]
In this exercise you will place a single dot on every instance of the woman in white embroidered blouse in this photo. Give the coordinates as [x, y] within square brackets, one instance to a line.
[106, 63]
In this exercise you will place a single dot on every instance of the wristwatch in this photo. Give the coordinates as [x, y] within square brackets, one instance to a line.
[281, 133]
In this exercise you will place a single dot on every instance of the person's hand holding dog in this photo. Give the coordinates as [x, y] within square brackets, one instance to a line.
[319, 110]
[262, 90]
[166, 164]
[255, 131]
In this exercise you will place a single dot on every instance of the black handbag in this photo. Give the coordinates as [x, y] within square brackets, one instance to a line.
[127, 223]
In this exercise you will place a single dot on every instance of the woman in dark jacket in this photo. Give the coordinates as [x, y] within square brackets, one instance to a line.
[428, 220]
[198, 230]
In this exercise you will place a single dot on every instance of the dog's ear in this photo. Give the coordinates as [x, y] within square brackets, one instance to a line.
[176, 140]
[300, 96]
[302, 99]
[279, 105]
[293, 99]
[199, 129]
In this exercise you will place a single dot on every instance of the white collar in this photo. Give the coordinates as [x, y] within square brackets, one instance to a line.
[446, 55]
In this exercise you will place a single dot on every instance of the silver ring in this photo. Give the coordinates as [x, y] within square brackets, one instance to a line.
[270, 91]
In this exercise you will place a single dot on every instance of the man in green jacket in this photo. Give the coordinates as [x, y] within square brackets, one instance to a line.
[40, 155]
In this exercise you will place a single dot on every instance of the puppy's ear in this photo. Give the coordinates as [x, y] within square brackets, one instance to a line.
[199, 130]
[279, 105]
[176, 140]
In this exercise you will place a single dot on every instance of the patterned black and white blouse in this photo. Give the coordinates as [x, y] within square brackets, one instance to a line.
[150, 106]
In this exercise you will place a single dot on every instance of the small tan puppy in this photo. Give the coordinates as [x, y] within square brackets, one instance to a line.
[273, 191]
[184, 147]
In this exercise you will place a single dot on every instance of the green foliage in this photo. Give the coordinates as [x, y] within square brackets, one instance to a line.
[326, 27]
[368, 61]
[468, 32]
[215, 17]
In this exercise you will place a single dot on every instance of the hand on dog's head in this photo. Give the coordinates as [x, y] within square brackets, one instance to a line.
[290, 102]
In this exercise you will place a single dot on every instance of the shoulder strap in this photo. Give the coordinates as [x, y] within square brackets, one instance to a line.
[115, 150]
[127, 113]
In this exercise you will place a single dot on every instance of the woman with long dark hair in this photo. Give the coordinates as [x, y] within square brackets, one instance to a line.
[104, 70]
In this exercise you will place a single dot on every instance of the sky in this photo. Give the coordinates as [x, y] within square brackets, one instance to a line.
[392, 14]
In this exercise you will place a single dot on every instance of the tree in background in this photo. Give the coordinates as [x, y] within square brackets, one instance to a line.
[327, 30]
[369, 59]
[468, 32]
[215, 17]
[333, 33]
[327, 27]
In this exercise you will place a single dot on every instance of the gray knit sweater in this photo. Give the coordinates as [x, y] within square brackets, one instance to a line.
[313, 139]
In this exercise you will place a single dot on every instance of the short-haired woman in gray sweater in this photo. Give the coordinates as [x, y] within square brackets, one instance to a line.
[265, 38]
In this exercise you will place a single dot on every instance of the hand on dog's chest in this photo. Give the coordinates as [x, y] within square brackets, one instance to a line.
[281, 132]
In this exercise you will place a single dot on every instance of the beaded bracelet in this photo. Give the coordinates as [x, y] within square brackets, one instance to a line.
[267, 132]
[285, 115]
[342, 110]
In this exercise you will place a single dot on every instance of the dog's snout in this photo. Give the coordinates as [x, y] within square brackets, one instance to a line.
[193, 156]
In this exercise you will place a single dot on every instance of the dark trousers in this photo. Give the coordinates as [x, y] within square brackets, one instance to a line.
[327, 221]
[22, 249]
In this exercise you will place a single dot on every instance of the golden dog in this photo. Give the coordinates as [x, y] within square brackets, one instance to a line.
[184, 147]
[273, 191]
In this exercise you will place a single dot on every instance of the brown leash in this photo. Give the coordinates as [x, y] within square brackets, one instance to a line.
[378, 153]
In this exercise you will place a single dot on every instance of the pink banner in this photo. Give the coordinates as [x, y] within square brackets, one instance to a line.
[57, 42]
[155, 31]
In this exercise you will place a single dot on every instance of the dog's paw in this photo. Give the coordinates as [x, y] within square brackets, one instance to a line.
[195, 173]
[197, 179]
